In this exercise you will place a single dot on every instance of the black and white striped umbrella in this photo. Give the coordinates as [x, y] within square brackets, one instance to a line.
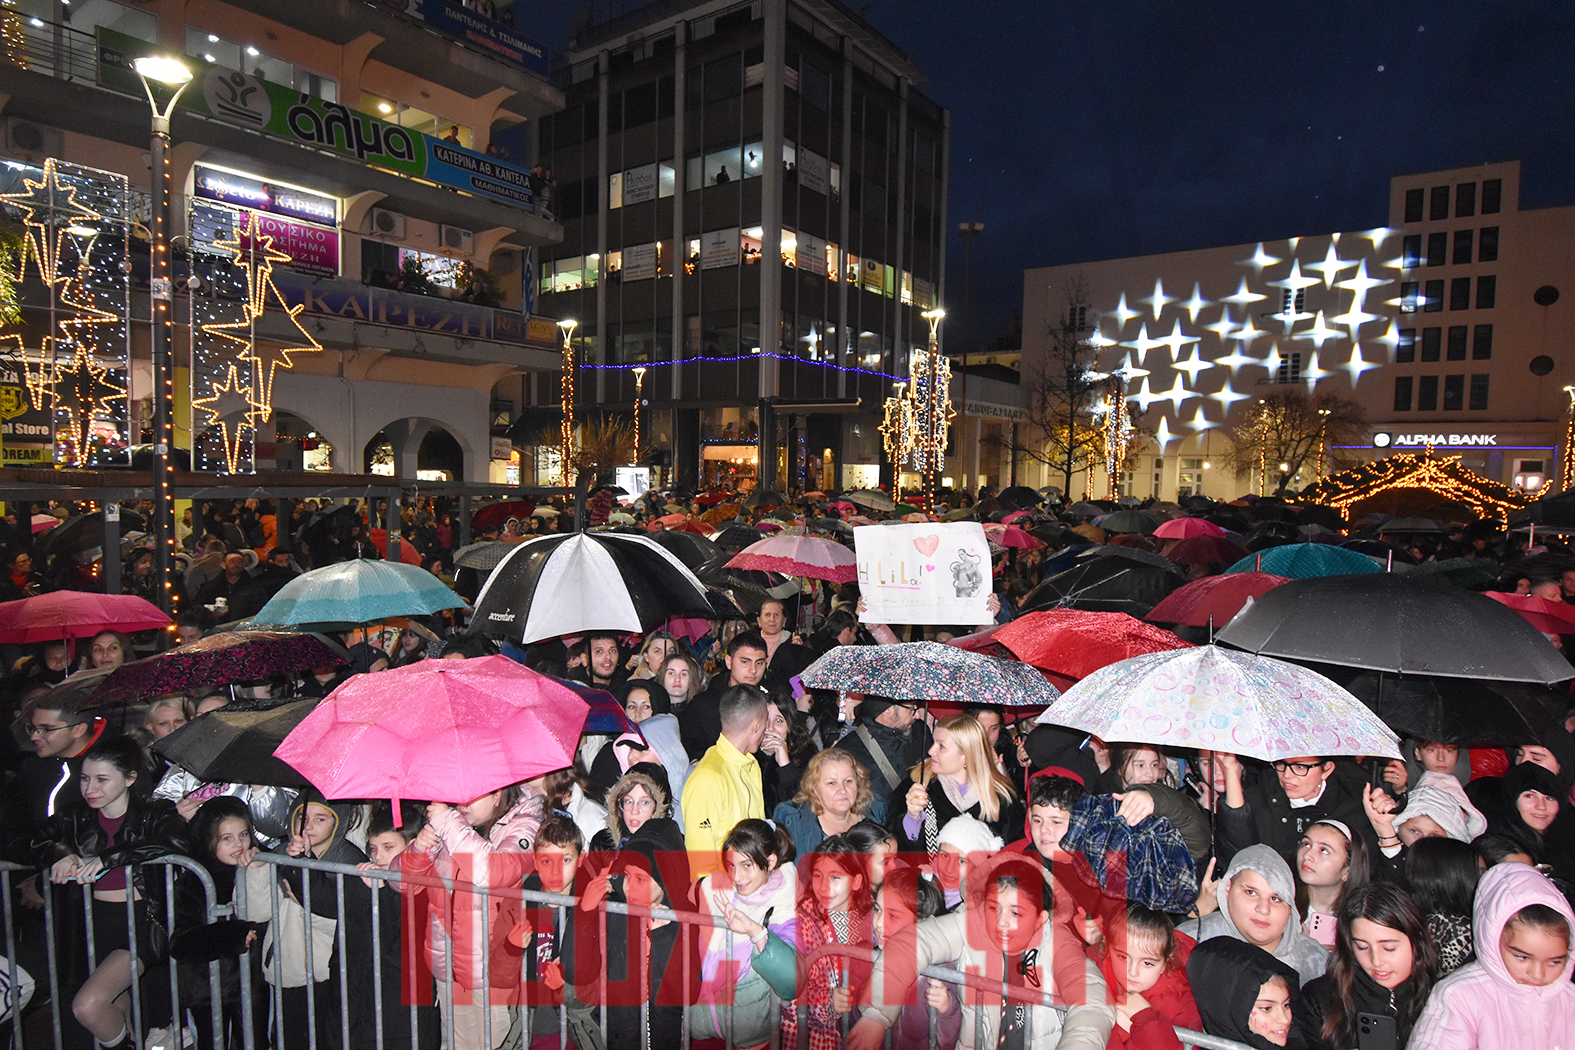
[607, 581]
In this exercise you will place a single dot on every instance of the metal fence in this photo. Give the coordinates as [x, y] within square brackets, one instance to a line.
[284, 1003]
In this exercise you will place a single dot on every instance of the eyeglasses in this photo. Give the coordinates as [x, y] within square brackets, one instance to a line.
[1301, 769]
[627, 802]
[37, 731]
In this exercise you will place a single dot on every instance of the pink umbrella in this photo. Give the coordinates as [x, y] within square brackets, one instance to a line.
[859, 519]
[44, 522]
[1185, 528]
[1010, 536]
[1549, 617]
[691, 627]
[673, 519]
[442, 730]
[75, 614]
[1014, 516]
[794, 555]
[844, 506]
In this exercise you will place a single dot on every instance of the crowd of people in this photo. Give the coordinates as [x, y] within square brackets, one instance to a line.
[838, 844]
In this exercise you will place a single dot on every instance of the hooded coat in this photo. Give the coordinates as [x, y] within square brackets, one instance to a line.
[1480, 1005]
[1226, 976]
[1170, 1002]
[616, 833]
[1297, 950]
[1556, 845]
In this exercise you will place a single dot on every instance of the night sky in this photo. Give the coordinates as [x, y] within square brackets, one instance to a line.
[1092, 129]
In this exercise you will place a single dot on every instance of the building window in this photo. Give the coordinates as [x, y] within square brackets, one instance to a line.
[1411, 252]
[1293, 303]
[1430, 343]
[1479, 392]
[1460, 293]
[1290, 370]
[1492, 192]
[1465, 200]
[1189, 478]
[1487, 291]
[1413, 205]
[1462, 253]
[1454, 393]
[1405, 349]
[1438, 203]
[1408, 291]
[1433, 296]
[1437, 248]
[1427, 394]
[1403, 388]
[1457, 342]
[1482, 343]
[1077, 318]
[1487, 245]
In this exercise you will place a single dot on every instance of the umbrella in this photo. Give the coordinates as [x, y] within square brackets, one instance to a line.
[1206, 550]
[86, 531]
[766, 498]
[1387, 622]
[1458, 710]
[1302, 561]
[483, 556]
[1021, 496]
[44, 522]
[1549, 617]
[694, 528]
[359, 592]
[1213, 599]
[1129, 521]
[1462, 572]
[75, 614]
[407, 550]
[1109, 579]
[235, 744]
[604, 712]
[688, 547]
[1384, 552]
[218, 659]
[736, 538]
[544, 512]
[1185, 528]
[494, 515]
[672, 519]
[1410, 525]
[1084, 509]
[595, 581]
[1316, 532]
[1074, 643]
[1215, 699]
[874, 499]
[810, 556]
[711, 499]
[928, 671]
[1011, 536]
[446, 730]
[726, 512]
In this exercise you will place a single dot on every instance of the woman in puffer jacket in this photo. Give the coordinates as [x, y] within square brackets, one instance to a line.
[486, 841]
[640, 795]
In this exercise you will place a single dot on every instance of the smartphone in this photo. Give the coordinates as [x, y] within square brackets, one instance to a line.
[1376, 1032]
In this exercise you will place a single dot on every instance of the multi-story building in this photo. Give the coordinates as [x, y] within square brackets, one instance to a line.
[753, 198]
[1447, 327]
[352, 213]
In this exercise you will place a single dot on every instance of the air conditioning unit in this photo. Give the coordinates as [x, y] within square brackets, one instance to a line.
[389, 224]
[25, 140]
[455, 241]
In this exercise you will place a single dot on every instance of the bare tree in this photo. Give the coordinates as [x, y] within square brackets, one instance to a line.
[1288, 427]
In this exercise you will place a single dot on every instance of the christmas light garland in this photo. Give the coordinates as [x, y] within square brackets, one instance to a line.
[1445, 476]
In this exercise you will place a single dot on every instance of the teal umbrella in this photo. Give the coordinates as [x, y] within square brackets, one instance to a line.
[358, 592]
[1301, 561]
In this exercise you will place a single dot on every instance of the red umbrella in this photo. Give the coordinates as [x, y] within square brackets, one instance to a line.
[1010, 536]
[1547, 616]
[795, 555]
[218, 659]
[1185, 528]
[75, 614]
[699, 528]
[1075, 643]
[1213, 599]
[672, 519]
[407, 550]
[711, 499]
[1202, 550]
[494, 515]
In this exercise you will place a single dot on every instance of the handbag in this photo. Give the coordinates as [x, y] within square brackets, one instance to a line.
[284, 945]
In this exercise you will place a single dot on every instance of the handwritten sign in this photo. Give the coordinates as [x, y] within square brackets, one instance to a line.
[928, 574]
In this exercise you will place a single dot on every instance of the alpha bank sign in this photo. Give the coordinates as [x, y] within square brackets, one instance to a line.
[1385, 439]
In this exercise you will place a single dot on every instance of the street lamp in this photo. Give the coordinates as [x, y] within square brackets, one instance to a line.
[171, 73]
[639, 383]
[566, 402]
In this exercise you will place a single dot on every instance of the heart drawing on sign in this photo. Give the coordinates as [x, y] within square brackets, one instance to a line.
[927, 545]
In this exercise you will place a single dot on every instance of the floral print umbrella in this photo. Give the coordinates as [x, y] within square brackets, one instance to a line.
[928, 671]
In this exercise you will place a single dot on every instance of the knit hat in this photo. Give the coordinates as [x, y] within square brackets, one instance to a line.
[1440, 797]
[969, 836]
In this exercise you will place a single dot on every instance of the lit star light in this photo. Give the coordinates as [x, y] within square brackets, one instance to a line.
[1258, 260]
[41, 241]
[1237, 361]
[1311, 371]
[1227, 396]
[1389, 340]
[1243, 297]
[1223, 327]
[1357, 365]
[1175, 340]
[1159, 300]
[1247, 333]
[230, 408]
[1295, 281]
[1200, 422]
[1192, 365]
[1163, 435]
[1196, 304]
[1379, 236]
[1142, 344]
[1319, 333]
[1122, 313]
[1360, 283]
[1331, 265]
[85, 390]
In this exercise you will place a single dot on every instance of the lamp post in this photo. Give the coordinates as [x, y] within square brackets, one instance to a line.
[1323, 434]
[639, 384]
[172, 73]
[566, 402]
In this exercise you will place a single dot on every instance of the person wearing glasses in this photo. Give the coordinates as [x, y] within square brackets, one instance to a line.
[1275, 805]
[60, 732]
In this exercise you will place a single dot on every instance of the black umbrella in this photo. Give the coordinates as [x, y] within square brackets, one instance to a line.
[1110, 579]
[767, 498]
[235, 744]
[1021, 495]
[86, 531]
[1380, 550]
[736, 538]
[688, 547]
[590, 581]
[1457, 711]
[1386, 622]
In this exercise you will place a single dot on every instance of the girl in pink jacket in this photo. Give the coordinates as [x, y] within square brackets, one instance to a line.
[1518, 992]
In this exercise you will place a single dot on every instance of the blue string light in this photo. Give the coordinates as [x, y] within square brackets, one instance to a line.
[746, 357]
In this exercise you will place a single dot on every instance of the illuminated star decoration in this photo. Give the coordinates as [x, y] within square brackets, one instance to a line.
[1357, 365]
[1159, 300]
[229, 407]
[1332, 264]
[42, 240]
[85, 390]
[1192, 365]
[1258, 260]
[1122, 313]
[1196, 304]
[1243, 297]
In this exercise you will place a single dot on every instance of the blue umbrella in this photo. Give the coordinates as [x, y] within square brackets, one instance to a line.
[358, 592]
[1301, 561]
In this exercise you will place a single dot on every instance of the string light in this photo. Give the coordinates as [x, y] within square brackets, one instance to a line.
[1116, 431]
[805, 362]
[1444, 476]
[1567, 452]
[566, 403]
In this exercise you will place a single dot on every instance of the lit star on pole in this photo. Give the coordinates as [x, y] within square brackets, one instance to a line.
[230, 408]
[1258, 260]
[1196, 304]
[1332, 264]
[1122, 313]
[1159, 300]
[1243, 297]
[85, 390]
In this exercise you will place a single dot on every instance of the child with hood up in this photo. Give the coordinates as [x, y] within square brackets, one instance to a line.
[1244, 993]
[1255, 902]
[1518, 992]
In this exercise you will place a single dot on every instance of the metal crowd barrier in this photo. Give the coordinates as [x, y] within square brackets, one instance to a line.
[690, 925]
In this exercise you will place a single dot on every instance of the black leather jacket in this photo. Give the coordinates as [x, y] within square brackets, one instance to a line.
[152, 829]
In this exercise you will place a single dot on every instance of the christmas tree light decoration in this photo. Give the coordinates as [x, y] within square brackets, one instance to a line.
[896, 428]
[1444, 476]
[1115, 431]
[1567, 450]
[227, 401]
[83, 390]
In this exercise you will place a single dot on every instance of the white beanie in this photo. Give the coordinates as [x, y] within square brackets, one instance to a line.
[1440, 796]
[970, 836]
